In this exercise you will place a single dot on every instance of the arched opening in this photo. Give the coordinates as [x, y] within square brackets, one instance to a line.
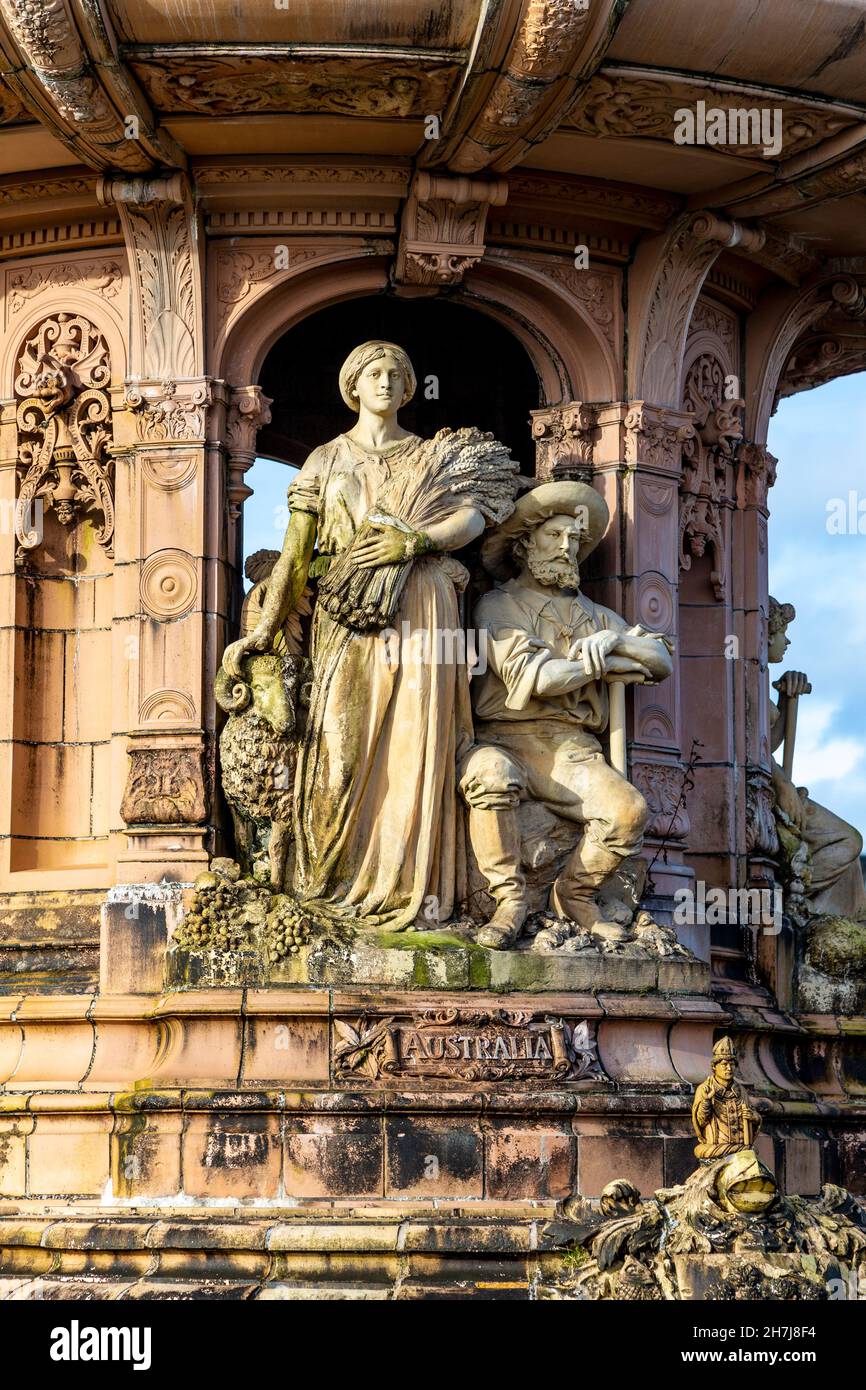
[470, 370]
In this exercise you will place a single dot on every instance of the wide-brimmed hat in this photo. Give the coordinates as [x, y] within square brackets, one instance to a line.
[564, 498]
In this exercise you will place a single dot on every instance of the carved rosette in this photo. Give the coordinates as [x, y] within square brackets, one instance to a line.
[248, 410]
[165, 786]
[565, 437]
[706, 455]
[442, 230]
[64, 429]
[663, 787]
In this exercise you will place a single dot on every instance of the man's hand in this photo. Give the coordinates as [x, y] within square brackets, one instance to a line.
[793, 683]
[233, 656]
[627, 670]
[382, 545]
[595, 650]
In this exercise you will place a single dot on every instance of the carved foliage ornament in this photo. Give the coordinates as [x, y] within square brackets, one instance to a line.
[442, 233]
[64, 430]
[718, 429]
[565, 440]
[662, 786]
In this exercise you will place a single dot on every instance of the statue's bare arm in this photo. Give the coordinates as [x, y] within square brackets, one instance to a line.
[285, 586]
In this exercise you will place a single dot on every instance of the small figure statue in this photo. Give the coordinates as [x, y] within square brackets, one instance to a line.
[836, 879]
[541, 705]
[722, 1118]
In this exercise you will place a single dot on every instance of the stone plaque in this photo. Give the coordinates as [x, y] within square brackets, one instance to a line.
[465, 1045]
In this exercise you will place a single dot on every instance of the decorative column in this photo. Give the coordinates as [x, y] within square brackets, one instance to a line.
[248, 410]
[757, 841]
[170, 538]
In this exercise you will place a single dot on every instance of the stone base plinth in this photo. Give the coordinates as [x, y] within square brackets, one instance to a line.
[316, 1251]
[345, 1093]
[406, 961]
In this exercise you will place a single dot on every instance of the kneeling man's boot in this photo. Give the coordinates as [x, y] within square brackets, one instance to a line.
[573, 893]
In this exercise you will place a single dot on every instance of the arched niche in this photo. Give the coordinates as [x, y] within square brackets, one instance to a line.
[470, 370]
[574, 356]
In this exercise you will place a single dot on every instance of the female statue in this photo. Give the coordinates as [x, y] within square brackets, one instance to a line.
[836, 884]
[376, 801]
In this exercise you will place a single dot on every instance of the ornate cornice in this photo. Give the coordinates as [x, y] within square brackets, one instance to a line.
[512, 99]
[61, 62]
[633, 103]
[295, 79]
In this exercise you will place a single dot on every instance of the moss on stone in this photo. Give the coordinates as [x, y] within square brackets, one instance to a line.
[837, 947]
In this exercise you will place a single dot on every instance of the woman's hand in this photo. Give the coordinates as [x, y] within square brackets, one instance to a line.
[789, 800]
[793, 683]
[234, 654]
[381, 545]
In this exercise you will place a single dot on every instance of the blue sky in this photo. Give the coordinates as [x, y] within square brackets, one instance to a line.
[818, 438]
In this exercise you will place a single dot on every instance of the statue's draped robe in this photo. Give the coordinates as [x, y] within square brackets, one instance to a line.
[376, 800]
[835, 847]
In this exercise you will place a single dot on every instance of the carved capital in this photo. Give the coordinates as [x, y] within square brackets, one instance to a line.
[167, 412]
[565, 437]
[654, 435]
[442, 231]
[756, 474]
[248, 410]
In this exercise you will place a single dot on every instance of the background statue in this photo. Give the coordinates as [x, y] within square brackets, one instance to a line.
[376, 796]
[835, 879]
[541, 705]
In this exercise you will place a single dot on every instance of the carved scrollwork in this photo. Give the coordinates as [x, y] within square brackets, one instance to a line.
[466, 1045]
[662, 787]
[64, 430]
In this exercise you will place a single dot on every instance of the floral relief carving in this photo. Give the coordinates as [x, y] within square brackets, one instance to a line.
[385, 86]
[662, 786]
[102, 277]
[616, 105]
